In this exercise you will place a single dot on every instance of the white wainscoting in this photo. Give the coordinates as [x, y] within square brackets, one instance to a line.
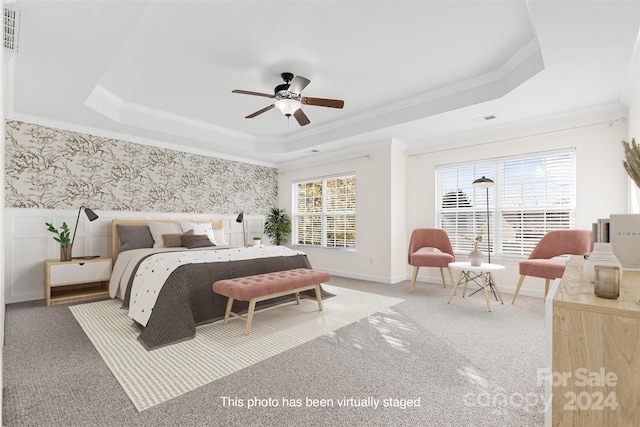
[28, 243]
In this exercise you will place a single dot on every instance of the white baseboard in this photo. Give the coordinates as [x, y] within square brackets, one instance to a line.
[27, 243]
[360, 276]
[504, 289]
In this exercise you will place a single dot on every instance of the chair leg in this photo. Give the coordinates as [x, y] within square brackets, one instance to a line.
[444, 284]
[546, 287]
[513, 301]
[453, 283]
[413, 279]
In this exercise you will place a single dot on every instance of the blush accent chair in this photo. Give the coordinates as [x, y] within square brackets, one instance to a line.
[554, 243]
[430, 238]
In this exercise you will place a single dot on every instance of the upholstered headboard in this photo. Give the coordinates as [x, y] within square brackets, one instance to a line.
[115, 238]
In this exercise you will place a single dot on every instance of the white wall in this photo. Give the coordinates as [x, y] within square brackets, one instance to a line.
[398, 206]
[634, 113]
[380, 211]
[27, 242]
[2, 267]
[634, 131]
[601, 179]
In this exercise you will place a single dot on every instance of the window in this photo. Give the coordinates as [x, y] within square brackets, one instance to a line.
[324, 212]
[531, 196]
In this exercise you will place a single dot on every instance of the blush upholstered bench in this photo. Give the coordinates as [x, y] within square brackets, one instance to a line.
[269, 285]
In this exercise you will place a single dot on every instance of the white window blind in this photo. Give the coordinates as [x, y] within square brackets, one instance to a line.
[531, 196]
[324, 212]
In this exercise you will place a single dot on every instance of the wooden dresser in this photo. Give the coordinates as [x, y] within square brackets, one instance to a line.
[595, 352]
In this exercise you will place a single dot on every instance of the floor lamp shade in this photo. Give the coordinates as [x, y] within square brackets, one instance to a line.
[485, 182]
[91, 215]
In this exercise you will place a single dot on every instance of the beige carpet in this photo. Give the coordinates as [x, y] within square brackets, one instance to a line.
[152, 377]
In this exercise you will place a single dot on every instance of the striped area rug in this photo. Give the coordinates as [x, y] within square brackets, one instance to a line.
[152, 377]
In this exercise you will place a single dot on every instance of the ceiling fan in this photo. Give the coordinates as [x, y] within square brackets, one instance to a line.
[289, 99]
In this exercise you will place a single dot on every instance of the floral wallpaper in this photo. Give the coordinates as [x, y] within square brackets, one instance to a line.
[52, 168]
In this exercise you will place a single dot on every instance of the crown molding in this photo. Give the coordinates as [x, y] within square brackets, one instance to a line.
[525, 63]
[106, 103]
[610, 113]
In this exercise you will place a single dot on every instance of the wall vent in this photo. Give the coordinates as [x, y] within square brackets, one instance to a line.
[11, 29]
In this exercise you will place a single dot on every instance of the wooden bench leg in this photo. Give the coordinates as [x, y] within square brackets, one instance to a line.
[252, 306]
[228, 310]
[319, 297]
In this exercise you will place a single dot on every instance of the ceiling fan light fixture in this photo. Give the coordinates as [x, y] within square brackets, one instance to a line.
[287, 106]
[288, 99]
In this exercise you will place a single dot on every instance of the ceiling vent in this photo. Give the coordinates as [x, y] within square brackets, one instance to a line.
[11, 29]
[483, 118]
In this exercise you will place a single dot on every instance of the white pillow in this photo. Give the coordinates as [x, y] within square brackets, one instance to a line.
[199, 228]
[220, 237]
[158, 228]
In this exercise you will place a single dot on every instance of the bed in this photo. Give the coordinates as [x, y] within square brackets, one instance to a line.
[183, 293]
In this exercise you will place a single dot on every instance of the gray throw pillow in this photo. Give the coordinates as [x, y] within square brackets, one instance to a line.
[134, 237]
[174, 240]
[196, 241]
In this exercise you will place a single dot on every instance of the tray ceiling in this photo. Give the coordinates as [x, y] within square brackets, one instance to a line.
[162, 72]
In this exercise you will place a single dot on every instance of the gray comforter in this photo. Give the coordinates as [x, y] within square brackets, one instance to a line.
[187, 299]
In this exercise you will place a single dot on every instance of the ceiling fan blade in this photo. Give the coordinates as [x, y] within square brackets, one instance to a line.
[246, 92]
[251, 116]
[298, 84]
[322, 102]
[301, 117]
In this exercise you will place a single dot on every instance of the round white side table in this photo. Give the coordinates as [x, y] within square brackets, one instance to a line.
[471, 273]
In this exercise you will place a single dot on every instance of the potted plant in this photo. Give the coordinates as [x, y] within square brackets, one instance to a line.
[277, 226]
[256, 241]
[62, 236]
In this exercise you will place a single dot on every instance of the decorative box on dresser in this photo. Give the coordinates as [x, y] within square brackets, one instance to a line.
[595, 352]
[76, 280]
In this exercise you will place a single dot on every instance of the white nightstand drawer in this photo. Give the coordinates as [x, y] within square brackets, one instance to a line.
[79, 272]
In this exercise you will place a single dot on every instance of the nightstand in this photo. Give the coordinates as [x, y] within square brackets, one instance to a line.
[76, 280]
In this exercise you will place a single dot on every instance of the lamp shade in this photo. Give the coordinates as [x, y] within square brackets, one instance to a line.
[240, 217]
[482, 182]
[90, 214]
[287, 106]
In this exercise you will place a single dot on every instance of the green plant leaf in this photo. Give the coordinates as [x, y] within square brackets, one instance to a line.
[60, 236]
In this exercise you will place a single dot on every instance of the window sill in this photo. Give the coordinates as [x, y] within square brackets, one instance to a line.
[305, 248]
